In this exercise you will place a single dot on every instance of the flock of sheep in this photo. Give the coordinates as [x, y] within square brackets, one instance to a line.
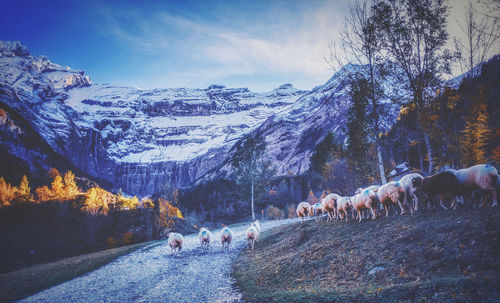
[403, 194]
[447, 185]
[175, 240]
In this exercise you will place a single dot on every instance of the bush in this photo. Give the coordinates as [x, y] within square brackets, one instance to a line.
[111, 242]
[274, 213]
[127, 238]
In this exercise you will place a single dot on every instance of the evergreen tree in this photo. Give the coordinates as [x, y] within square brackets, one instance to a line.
[476, 133]
[357, 127]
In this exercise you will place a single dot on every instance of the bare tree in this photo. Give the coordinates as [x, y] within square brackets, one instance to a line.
[415, 34]
[360, 44]
[482, 33]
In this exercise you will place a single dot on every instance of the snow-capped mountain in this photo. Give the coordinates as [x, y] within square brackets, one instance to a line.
[140, 140]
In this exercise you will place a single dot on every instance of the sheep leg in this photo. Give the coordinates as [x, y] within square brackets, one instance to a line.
[415, 203]
[442, 203]
[386, 211]
[494, 197]
[374, 215]
[485, 200]
[360, 216]
[403, 211]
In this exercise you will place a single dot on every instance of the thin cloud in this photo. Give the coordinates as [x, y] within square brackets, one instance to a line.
[286, 46]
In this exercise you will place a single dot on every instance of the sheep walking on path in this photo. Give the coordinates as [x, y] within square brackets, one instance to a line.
[205, 237]
[175, 241]
[252, 235]
[226, 237]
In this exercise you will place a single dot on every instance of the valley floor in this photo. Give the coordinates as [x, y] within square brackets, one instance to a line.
[153, 274]
[441, 256]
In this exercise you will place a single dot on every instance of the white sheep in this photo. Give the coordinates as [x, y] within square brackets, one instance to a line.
[481, 176]
[343, 206]
[329, 204]
[373, 188]
[365, 200]
[411, 200]
[317, 211]
[226, 236]
[256, 224]
[205, 237]
[391, 193]
[175, 241]
[252, 235]
[303, 209]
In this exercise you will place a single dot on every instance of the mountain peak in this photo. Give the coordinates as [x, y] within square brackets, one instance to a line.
[13, 48]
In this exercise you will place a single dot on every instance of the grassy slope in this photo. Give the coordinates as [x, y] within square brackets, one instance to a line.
[24, 282]
[443, 256]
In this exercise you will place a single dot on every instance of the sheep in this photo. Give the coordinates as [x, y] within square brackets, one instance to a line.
[175, 241]
[226, 236]
[343, 206]
[411, 200]
[442, 184]
[481, 176]
[205, 237]
[256, 224]
[252, 235]
[391, 193]
[317, 211]
[373, 188]
[365, 200]
[329, 204]
[303, 209]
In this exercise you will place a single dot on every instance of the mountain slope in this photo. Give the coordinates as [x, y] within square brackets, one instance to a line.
[139, 140]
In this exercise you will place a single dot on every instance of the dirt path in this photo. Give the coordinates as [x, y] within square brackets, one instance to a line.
[152, 274]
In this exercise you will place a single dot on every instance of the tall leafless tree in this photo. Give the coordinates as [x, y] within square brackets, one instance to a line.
[415, 33]
[360, 45]
[481, 32]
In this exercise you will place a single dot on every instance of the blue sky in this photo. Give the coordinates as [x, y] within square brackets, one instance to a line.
[148, 44]
[255, 44]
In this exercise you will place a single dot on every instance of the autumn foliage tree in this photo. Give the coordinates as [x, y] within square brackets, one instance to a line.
[24, 191]
[476, 133]
[166, 213]
[7, 192]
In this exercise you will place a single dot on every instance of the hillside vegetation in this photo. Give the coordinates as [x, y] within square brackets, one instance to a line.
[429, 257]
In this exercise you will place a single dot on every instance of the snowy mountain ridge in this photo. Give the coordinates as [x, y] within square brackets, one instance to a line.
[140, 140]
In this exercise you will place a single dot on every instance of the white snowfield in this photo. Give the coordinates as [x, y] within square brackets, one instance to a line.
[153, 274]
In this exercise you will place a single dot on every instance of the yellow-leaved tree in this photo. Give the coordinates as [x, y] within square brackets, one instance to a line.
[24, 191]
[475, 136]
[70, 187]
[7, 192]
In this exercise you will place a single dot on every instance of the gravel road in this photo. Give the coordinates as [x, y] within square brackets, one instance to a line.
[153, 274]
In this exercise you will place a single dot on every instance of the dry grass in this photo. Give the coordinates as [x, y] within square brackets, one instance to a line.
[24, 282]
[432, 257]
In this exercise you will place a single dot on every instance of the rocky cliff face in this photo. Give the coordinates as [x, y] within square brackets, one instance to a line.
[136, 139]
[140, 140]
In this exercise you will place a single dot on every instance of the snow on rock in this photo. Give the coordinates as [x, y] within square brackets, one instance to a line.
[139, 139]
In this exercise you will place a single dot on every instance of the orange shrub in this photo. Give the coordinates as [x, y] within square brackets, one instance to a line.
[127, 238]
[111, 242]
